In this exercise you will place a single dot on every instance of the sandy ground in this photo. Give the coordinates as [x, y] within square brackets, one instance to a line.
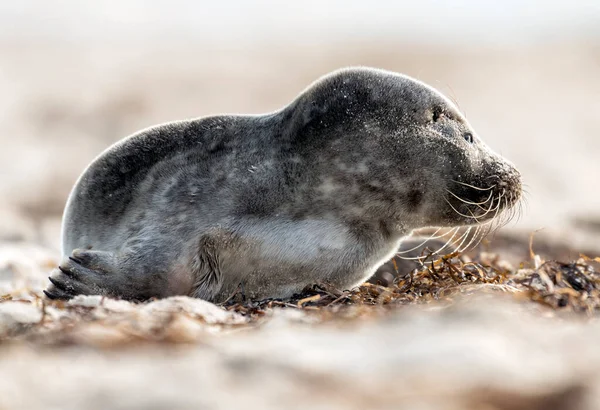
[481, 349]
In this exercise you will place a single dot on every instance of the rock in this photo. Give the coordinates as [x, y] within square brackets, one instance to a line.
[198, 308]
[16, 317]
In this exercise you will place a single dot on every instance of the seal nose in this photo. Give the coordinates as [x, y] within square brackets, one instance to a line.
[509, 185]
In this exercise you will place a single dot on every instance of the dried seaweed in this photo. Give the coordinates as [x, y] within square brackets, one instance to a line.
[574, 286]
[560, 285]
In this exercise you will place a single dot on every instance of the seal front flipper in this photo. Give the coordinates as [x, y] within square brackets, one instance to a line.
[206, 264]
[88, 272]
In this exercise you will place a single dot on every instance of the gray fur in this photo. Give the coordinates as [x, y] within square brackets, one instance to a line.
[322, 190]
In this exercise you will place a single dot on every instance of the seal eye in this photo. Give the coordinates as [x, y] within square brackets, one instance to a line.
[469, 137]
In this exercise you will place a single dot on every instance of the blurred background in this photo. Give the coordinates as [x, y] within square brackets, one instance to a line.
[77, 76]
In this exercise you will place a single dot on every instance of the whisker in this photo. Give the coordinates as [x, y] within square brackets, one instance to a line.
[419, 258]
[449, 241]
[469, 202]
[455, 101]
[489, 209]
[513, 211]
[467, 248]
[424, 242]
[490, 226]
[483, 234]
[459, 213]
[473, 186]
[521, 211]
[466, 236]
[498, 221]
[479, 239]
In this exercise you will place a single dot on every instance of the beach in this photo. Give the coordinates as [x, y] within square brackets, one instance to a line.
[76, 78]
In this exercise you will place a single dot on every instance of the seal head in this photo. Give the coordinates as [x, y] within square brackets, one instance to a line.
[393, 147]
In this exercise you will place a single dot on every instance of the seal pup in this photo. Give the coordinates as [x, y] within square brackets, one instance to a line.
[322, 190]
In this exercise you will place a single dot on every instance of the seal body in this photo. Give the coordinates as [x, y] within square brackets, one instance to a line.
[322, 190]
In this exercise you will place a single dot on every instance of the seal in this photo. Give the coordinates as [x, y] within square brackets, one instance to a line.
[320, 191]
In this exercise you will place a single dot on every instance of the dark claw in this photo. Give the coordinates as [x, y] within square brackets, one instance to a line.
[56, 283]
[76, 260]
[50, 295]
[65, 271]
